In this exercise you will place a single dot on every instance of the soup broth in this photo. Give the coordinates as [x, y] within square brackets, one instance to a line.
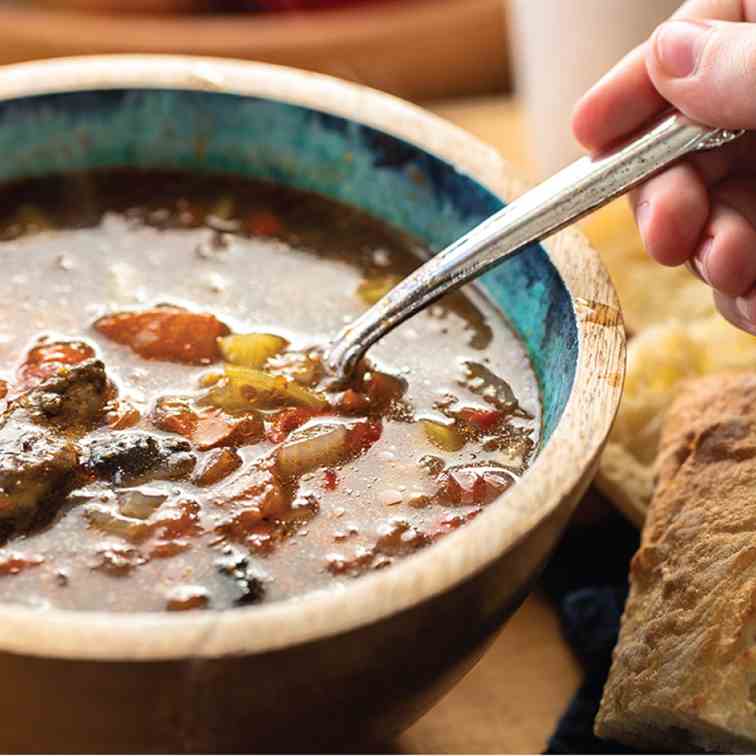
[167, 438]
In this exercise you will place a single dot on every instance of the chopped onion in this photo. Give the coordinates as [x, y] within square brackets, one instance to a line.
[140, 502]
[314, 447]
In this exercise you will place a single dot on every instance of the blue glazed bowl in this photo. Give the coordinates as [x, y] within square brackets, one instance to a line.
[338, 666]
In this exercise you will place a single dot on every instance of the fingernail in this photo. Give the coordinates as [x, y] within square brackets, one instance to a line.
[642, 213]
[700, 260]
[679, 45]
[743, 305]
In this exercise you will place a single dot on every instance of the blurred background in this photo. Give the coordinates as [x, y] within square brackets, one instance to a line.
[547, 51]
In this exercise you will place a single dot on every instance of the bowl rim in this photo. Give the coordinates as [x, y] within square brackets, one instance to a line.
[562, 469]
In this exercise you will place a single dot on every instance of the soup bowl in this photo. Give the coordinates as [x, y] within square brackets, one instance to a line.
[339, 667]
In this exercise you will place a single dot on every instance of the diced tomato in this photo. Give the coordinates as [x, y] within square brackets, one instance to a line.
[117, 560]
[184, 599]
[260, 495]
[214, 429]
[330, 480]
[168, 549]
[182, 522]
[451, 522]
[363, 435]
[483, 420]
[122, 415]
[399, 537]
[288, 420]
[47, 359]
[264, 223]
[175, 415]
[166, 333]
[338, 564]
[208, 427]
[263, 537]
[473, 485]
[258, 535]
[218, 464]
[353, 403]
[383, 388]
[15, 563]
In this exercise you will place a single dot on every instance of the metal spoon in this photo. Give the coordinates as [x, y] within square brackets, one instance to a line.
[575, 191]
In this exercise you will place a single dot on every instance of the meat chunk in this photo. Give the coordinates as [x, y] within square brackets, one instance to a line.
[34, 467]
[73, 398]
[134, 457]
[40, 465]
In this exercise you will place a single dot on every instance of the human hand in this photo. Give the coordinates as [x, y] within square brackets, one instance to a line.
[701, 211]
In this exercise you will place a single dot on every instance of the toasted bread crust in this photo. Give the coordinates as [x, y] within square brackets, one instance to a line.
[684, 670]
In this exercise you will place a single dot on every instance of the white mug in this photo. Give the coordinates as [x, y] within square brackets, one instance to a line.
[561, 47]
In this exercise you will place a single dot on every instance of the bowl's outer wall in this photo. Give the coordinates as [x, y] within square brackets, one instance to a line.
[373, 681]
[226, 133]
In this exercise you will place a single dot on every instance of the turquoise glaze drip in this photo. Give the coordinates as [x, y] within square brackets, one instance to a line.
[224, 133]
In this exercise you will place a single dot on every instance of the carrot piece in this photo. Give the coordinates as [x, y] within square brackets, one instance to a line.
[288, 420]
[264, 223]
[46, 359]
[166, 333]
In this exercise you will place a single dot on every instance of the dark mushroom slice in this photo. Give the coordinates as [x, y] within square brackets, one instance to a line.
[136, 457]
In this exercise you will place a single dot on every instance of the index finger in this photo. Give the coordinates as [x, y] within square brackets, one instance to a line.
[624, 98]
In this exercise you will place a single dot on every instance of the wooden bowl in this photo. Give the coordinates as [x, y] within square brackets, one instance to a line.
[332, 668]
[418, 49]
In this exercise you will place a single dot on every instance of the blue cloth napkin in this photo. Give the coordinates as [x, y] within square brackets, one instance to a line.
[587, 580]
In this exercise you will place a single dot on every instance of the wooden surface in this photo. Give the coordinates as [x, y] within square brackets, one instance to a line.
[418, 49]
[512, 700]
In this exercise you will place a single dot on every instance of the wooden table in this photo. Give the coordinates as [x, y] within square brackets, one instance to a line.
[511, 701]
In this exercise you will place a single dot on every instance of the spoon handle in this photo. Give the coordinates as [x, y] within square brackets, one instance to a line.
[575, 191]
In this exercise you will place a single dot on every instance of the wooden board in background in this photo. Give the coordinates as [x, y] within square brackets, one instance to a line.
[413, 48]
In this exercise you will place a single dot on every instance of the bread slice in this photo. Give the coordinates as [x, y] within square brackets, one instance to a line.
[659, 359]
[684, 670]
[676, 334]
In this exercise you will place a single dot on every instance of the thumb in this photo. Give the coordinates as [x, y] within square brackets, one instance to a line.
[707, 70]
